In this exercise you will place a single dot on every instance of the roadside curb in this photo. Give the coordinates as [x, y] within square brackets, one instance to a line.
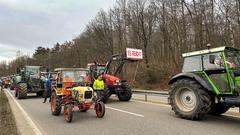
[25, 126]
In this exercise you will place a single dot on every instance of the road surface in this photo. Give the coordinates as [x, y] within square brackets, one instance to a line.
[126, 118]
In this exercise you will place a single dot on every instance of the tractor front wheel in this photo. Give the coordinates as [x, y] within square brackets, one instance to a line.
[100, 109]
[55, 104]
[218, 109]
[68, 113]
[125, 95]
[189, 100]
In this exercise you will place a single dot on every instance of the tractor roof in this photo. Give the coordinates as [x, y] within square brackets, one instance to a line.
[98, 64]
[206, 51]
[69, 69]
[32, 66]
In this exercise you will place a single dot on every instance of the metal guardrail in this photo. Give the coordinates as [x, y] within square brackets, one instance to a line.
[150, 92]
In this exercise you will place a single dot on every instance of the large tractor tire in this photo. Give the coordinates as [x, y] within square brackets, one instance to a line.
[189, 100]
[218, 109]
[126, 95]
[107, 94]
[55, 104]
[22, 91]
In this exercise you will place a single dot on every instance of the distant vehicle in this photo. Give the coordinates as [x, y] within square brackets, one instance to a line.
[13, 85]
[29, 80]
[209, 83]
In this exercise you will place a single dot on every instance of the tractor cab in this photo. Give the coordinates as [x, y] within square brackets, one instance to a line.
[68, 78]
[221, 66]
[96, 69]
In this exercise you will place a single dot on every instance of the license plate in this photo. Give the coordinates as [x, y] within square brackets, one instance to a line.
[88, 100]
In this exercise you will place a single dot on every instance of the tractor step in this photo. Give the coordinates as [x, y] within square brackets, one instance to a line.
[232, 102]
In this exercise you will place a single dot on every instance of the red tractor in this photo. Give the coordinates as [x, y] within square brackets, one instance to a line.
[114, 85]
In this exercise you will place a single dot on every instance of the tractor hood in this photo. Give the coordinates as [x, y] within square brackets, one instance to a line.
[112, 80]
[82, 88]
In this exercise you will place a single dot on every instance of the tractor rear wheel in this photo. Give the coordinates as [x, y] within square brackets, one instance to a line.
[218, 109]
[68, 113]
[22, 91]
[189, 100]
[126, 94]
[106, 95]
[100, 109]
[55, 104]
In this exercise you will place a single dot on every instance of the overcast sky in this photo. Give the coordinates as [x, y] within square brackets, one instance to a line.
[26, 24]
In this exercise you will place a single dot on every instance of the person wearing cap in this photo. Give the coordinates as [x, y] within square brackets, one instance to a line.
[98, 87]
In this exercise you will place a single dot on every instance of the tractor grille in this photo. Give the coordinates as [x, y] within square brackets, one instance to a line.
[88, 94]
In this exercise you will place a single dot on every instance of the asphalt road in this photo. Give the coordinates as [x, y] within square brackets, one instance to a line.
[126, 118]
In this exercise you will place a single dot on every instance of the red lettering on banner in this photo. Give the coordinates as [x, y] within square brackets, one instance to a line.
[134, 53]
[129, 52]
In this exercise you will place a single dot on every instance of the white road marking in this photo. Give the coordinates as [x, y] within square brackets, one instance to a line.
[230, 115]
[158, 104]
[29, 120]
[139, 115]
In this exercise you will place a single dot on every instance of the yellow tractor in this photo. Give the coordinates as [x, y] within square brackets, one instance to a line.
[70, 90]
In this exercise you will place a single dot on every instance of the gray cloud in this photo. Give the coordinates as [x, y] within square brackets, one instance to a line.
[24, 25]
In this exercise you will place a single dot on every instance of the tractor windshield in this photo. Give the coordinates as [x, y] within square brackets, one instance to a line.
[100, 68]
[74, 76]
[232, 58]
[96, 70]
[32, 71]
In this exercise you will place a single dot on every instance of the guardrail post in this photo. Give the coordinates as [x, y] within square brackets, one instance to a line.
[146, 97]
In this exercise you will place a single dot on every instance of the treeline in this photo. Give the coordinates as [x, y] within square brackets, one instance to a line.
[164, 29]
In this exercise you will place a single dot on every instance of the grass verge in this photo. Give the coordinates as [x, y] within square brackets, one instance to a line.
[7, 122]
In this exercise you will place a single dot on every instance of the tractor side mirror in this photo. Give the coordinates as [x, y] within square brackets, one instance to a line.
[212, 59]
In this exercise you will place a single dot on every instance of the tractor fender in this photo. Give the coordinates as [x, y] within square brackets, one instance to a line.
[196, 77]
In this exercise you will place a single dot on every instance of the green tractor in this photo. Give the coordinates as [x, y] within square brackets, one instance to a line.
[29, 80]
[209, 83]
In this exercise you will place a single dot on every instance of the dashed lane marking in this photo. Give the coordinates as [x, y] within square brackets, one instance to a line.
[123, 111]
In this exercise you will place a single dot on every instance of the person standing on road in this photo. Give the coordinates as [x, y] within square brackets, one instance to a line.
[98, 87]
[48, 89]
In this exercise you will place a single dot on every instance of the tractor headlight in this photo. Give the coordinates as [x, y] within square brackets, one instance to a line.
[118, 82]
[68, 89]
[80, 94]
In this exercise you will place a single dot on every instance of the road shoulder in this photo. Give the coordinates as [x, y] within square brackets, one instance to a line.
[23, 125]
